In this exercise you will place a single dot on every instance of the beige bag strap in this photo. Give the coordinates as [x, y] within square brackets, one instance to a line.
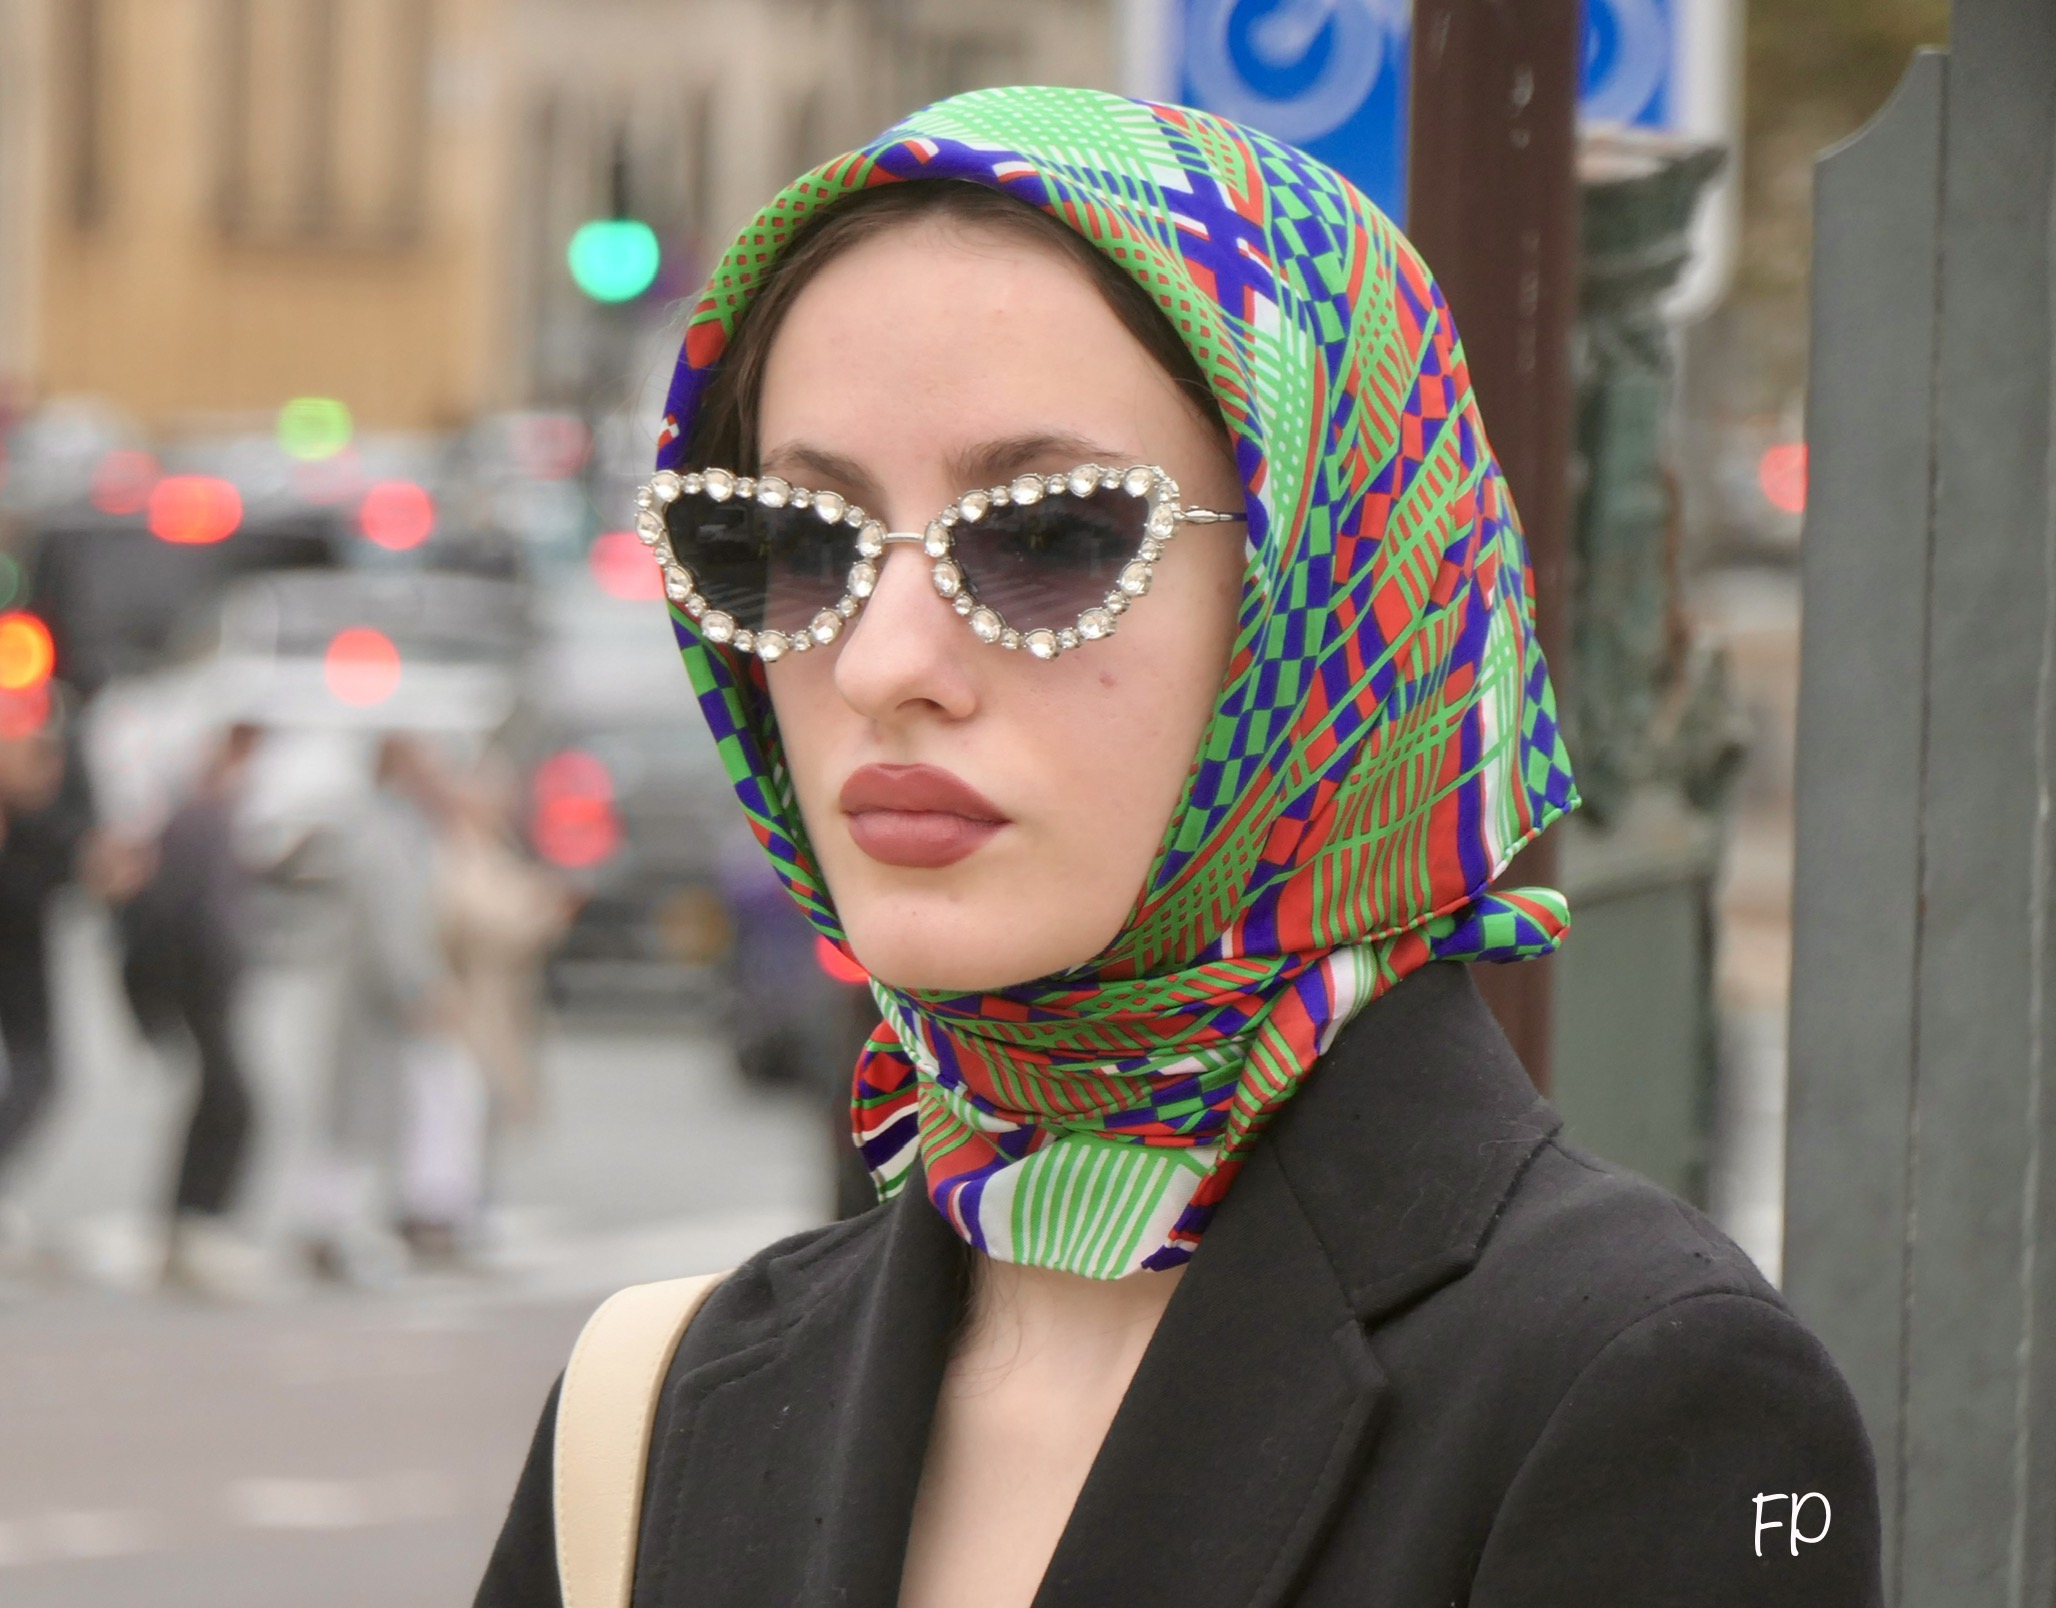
[605, 1414]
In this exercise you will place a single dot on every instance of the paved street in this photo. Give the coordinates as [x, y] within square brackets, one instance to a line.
[322, 1454]
[340, 1448]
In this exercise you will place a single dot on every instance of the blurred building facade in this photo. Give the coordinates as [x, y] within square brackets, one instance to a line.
[210, 206]
[698, 110]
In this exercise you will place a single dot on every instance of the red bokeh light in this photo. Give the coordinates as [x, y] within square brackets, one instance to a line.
[624, 568]
[396, 515]
[361, 667]
[838, 965]
[574, 824]
[193, 510]
[24, 713]
[123, 481]
[1781, 472]
[27, 655]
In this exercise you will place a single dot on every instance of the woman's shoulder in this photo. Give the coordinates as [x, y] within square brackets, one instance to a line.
[1609, 1246]
[1423, 1156]
[1591, 1393]
[1678, 1424]
[779, 1286]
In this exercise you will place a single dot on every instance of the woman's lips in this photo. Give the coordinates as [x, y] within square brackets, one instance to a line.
[917, 815]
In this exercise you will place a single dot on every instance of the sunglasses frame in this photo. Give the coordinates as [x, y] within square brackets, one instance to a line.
[1157, 491]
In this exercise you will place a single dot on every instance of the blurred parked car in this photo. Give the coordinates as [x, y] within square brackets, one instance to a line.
[626, 790]
[115, 594]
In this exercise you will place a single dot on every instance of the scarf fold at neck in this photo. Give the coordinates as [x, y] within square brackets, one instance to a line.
[1384, 742]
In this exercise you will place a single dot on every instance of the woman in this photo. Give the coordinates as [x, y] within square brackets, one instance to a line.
[1228, 1255]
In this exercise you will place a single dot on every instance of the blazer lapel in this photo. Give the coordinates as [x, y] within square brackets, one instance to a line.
[1260, 1395]
[872, 1450]
[1244, 1424]
[797, 1458]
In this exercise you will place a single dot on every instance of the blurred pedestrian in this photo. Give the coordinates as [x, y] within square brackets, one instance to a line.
[184, 953]
[407, 1110]
[45, 813]
[499, 913]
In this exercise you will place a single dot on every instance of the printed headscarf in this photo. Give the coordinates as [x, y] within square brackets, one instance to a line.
[1384, 740]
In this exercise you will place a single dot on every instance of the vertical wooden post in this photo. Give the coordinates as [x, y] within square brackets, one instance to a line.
[1492, 205]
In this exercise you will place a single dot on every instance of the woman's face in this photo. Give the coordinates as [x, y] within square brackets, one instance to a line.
[984, 817]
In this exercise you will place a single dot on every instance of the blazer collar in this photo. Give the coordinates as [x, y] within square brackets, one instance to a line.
[796, 1449]
[1408, 1137]
[890, 1360]
[1259, 1396]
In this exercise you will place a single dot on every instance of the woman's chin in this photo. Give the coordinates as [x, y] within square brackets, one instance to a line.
[994, 920]
[934, 974]
[933, 959]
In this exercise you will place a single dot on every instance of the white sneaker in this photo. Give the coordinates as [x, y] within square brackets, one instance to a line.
[362, 1258]
[208, 1258]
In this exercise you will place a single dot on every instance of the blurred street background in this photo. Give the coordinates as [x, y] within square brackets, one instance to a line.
[385, 974]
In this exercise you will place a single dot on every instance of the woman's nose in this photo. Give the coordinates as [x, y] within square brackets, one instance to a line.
[906, 649]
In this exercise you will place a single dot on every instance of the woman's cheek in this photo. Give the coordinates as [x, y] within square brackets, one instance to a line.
[805, 708]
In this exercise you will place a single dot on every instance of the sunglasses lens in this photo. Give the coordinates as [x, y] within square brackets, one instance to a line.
[770, 568]
[1048, 562]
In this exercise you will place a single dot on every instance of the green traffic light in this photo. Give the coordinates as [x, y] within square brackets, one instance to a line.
[614, 259]
[314, 427]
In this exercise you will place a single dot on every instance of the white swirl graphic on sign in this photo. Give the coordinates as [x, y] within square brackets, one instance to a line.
[1641, 61]
[1282, 34]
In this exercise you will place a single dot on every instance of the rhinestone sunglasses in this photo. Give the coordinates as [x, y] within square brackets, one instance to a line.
[1044, 563]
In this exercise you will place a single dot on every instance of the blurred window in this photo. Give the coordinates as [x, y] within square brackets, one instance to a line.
[324, 116]
[82, 66]
[812, 144]
[700, 162]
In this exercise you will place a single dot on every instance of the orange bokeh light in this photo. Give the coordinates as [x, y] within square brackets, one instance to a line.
[361, 667]
[193, 510]
[396, 515]
[27, 655]
[1781, 472]
[624, 568]
[122, 482]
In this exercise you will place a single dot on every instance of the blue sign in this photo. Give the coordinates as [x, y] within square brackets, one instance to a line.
[1331, 76]
[1630, 62]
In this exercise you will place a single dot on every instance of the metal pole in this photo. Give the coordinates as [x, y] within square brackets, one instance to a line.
[1493, 207]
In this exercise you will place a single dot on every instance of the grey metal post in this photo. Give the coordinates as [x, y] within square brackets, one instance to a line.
[1921, 1168]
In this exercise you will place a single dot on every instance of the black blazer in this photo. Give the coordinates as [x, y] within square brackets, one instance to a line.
[1427, 1354]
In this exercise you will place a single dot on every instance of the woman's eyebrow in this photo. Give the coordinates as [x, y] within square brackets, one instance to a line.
[990, 462]
[986, 463]
[799, 459]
